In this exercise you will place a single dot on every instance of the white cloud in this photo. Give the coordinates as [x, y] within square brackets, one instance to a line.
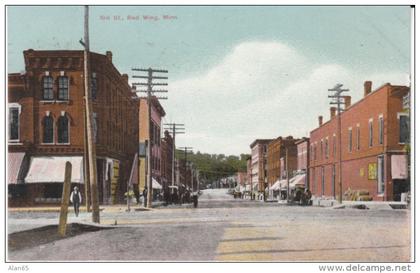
[260, 90]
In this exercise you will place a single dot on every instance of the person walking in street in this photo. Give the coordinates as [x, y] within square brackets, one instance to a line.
[145, 196]
[76, 199]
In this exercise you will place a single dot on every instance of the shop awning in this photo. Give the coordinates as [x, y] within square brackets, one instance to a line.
[276, 186]
[298, 180]
[14, 163]
[51, 169]
[283, 184]
[134, 174]
[399, 166]
[155, 184]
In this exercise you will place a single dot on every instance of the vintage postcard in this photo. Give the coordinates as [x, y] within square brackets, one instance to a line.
[235, 133]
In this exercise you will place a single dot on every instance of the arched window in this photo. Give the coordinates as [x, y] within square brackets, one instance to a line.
[63, 129]
[48, 130]
[47, 84]
[63, 88]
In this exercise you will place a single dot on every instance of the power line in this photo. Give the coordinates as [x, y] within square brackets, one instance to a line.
[176, 129]
[150, 77]
[337, 99]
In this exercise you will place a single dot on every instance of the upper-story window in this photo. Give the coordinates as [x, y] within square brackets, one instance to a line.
[95, 127]
[48, 130]
[93, 86]
[370, 133]
[63, 129]
[404, 128]
[152, 135]
[334, 146]
[327, 149]
[14, 122]
[381, 129]
[350, 139]
[47, 85]
[63, 88]
[358, 137]
[322, 151]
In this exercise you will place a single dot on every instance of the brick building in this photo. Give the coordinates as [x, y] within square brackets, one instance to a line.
[166, 159]
[46, 126]
[241, 178]
[374, 134]
[152, 137]
[302, 147]
[259, 164]
[248, 171]
[276, 150]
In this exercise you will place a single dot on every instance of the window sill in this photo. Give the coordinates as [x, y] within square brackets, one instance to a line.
[48, 144]
[66, 144]
[47, 101]
[55, 101]
[15, 143]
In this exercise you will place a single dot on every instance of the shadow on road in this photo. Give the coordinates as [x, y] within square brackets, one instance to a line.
[47, 234]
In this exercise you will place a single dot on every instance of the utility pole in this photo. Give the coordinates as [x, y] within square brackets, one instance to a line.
[176, 128]
[337, 100]
[186, 151]
[192, 177]
[86, 176]
[197, 177]
[130, 182]
[89, 115]
[150, 77]
[287, 173]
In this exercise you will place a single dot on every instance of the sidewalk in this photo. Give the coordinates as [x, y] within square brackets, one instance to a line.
[103, 208]
[380, 205]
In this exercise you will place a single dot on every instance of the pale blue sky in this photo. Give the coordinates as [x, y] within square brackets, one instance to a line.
[363, 37]
[357, 41]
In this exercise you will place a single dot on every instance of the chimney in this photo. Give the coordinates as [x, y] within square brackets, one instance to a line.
[125, 77]
[109, 56]
[320, 120]
[332, 112]
[347, 101]
[368, 87]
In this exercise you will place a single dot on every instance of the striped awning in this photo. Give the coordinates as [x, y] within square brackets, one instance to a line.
[155, 184]
[50, 169]
[298, 181]
[14, 163]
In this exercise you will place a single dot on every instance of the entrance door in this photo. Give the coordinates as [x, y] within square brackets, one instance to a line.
[381, 176]
[322, 181]
[333, 181]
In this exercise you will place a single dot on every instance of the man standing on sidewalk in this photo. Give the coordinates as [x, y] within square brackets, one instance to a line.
[145, 196]
[76, 199]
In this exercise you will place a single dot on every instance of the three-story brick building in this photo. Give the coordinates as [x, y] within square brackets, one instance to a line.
[47, 125]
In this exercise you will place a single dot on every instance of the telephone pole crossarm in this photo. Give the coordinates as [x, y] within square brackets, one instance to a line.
[150, 84]
[338, 99]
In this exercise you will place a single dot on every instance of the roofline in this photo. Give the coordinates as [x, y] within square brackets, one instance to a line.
[264, 140]
[382, 87]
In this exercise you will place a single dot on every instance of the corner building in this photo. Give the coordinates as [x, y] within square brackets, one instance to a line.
[46, 126]
[375, 133]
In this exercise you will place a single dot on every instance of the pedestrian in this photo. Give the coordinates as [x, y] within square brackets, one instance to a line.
[145, 196]
[195, 199]
[76, 199]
